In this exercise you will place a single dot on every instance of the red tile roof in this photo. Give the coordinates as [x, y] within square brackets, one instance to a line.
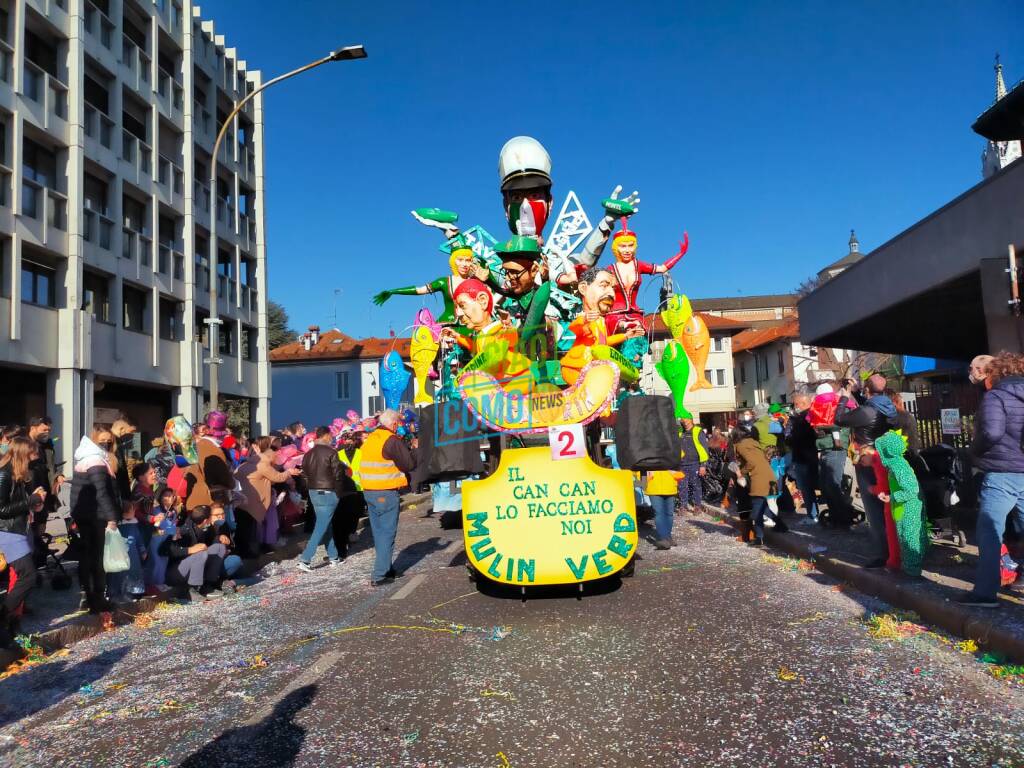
[713, 322]
[335, 345]
[759, 337]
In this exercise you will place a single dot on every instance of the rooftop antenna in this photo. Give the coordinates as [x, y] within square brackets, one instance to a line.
[334, 315]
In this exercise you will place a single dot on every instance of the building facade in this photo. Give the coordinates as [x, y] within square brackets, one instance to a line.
[108, 114]
[323, 376]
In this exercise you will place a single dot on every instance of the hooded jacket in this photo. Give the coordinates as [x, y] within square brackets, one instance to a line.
[93, 489]
[998, 427]
[868, 422]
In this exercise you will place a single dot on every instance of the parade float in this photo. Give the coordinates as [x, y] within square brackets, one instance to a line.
[540, 346]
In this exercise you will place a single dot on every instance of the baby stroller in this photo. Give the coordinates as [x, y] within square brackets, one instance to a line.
[60, 579]
[939, 473]
[715, 479]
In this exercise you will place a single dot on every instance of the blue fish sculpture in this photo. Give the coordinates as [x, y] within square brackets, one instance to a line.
[394, 378]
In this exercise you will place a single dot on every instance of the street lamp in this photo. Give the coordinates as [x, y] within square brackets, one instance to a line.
[346, 53]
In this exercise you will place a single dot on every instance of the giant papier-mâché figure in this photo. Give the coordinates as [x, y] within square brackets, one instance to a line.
[905, 501]
[597, 288]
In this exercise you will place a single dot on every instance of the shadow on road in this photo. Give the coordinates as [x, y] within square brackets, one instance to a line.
[415, 552]
[41, 687]
[273, 742]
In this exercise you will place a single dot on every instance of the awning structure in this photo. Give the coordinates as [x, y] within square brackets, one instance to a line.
[1004, 120]
[936, 290]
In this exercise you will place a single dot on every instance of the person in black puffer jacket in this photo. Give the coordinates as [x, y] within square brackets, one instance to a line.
[17, 503]
[95, 507]
[998, 453]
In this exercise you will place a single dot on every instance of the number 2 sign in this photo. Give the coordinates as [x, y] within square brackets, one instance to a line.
[567, 442]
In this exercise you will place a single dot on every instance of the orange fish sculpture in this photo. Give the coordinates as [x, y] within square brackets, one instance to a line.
[696, 342]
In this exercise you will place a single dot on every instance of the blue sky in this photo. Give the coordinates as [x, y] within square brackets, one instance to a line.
[767, 130]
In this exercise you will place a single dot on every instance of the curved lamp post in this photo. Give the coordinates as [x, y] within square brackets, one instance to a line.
[214, 321]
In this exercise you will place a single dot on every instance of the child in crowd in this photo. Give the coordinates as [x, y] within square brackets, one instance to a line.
[164, 523]
[232, 562]
[128, 585]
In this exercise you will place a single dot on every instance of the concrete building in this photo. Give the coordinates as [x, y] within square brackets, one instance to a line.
[108, 113]
[322, 376]
[749, 309]
[943, 288]
[709, 406]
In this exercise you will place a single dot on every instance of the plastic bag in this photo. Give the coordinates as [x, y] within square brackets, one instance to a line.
[115, 553]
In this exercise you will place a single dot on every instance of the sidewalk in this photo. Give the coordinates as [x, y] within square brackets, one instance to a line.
[54, 620]
[947, 572]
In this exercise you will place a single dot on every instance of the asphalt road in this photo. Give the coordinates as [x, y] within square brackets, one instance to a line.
[712, 655]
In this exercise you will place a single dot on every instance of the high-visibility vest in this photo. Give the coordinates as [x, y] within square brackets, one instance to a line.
[354, 465]
[377, 472]
[702, 453]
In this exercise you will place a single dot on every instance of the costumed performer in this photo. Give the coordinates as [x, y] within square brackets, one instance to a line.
[904, 500]
[597, 288]
[526, 297]
[494, 343]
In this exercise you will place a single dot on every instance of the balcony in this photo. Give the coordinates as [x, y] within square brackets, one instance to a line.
[6, 57]
[45, 89]
[170, 176]
[99, 25]
[139, 64]
[98, 126]
[170, 92]
[37, 200]
[179, 264]
[202, 120]
[136, 152]
[50, 7]
[6, 175]
[97, 228]
[202, 195]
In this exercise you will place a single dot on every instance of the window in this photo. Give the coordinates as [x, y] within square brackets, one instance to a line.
[95, 194]
[708, 374]
[134, 309]
[134, 215]
[170, 320]
[743, 373]
[341, 385]
[38, 284]
[719, 344]
[39, 169]
[226, 341]
[782, 361]
[720, 377]
[250, 350]
[96, 296]
[202, 329]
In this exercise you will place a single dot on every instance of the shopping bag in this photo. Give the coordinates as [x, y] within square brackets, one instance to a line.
[115, 553]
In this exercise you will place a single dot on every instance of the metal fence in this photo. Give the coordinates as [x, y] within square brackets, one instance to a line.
[931, 399]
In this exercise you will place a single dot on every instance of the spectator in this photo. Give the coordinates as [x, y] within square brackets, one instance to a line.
[767, 436]
[45, 476]
[165, 523]
[7, 434]
[979, 371]
[869, 421]
[232, 562]
[94, 508]
[802, 447]
[351, 502]
[257, 521]
[386, 462]
[144, 492]
[129, 585]
[123, 430]
[997, 450]
[18, 500]
[905, 422]
[324, 475]
[695, 457]
[196, 556]
[758, 479]
[662, 487]
[212, 471]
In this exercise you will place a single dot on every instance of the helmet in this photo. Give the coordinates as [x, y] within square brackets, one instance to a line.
[523, 163]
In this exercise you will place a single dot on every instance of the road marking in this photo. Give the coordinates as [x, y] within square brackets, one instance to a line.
[311, 675]
[405, 591]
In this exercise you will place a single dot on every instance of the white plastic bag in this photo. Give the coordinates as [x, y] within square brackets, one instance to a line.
[115, 553]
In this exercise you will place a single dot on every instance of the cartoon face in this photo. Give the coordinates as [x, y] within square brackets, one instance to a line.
[463, 263]
[538, 202]
[599, 293]
[473, 309]
[624, 248]
[520, 274]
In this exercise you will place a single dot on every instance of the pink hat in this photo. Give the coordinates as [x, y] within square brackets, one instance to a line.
[217, 423]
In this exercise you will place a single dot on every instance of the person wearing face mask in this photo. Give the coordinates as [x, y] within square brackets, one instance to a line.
[122, 430]
[95, 507]
[7, 434]
[980, 371]
[196, 555]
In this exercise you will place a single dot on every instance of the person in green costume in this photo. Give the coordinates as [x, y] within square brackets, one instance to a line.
[464, 266]
[905, 500]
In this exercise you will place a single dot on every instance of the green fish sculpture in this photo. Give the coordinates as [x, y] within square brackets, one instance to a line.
[676, 315]
[674, 368]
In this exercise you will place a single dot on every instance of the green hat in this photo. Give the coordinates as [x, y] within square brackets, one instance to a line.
[776, 408]
[520, 245]
[458, 243]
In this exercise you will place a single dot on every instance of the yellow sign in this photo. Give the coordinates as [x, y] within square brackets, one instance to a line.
[537, 521]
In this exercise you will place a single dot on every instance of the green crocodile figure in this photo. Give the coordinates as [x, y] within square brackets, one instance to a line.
[905, 501]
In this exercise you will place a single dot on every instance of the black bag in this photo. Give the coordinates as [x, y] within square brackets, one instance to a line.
[449, 444]
[647, 434]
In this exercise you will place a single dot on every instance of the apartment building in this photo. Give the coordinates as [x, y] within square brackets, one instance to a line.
[108, 114]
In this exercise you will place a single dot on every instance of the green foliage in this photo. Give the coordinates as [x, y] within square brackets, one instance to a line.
[278, 332]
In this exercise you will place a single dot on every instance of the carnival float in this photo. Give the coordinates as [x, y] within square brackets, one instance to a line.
[538, 349]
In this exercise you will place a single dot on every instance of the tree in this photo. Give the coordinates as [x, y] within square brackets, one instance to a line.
[278, 332]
